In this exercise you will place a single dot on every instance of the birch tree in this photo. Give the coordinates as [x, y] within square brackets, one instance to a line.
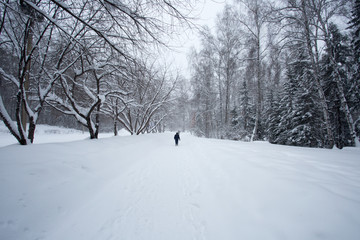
[229, 45]
[325, 11]
[254, 17]
[204, 93]
[314, 18]
[302, 28]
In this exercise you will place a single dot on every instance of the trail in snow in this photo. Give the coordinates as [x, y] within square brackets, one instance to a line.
[143, 187]
[156, 198]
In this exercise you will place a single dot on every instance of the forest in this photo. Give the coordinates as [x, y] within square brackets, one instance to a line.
[284, 71]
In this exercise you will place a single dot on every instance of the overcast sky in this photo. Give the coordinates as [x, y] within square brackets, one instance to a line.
[206, 11]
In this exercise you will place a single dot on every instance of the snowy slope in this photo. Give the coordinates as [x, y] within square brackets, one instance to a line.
[143, 187]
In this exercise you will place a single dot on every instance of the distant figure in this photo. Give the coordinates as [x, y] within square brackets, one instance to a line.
[177, 138]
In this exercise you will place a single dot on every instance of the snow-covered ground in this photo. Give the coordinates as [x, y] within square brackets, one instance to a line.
[51, 134]
[143, 187]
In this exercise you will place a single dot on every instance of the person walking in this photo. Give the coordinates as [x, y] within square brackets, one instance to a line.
[177, 138]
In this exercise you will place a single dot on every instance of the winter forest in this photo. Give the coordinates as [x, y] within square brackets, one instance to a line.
[283, 71]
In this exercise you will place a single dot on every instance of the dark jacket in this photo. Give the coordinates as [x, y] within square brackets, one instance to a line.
[177, 137]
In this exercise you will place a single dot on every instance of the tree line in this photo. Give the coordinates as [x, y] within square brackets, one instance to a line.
[88, 59]
[284, 71]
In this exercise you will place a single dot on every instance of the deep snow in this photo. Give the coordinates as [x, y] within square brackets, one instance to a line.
[143, 187]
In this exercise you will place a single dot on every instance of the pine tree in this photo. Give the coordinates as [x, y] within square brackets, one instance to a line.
[355, 26]
[285, 111]
[341, 53]
[233, 131]
[306, 125]
[299, 120]
[246, 118]
[273, 114]
[354, 93]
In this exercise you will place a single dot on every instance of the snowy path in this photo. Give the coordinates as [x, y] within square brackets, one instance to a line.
[156, 198]
[143, 187]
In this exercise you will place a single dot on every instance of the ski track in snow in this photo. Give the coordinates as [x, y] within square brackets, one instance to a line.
[143, 187]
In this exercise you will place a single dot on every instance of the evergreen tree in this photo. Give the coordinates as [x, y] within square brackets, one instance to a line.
[354, 94]
[341, 52]
[273, 114]
[299, 120]
[355, 26]
[285, 111]
[233, 131]
[306, 125]
[247, 116]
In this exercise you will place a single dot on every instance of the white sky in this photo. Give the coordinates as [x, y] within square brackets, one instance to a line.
[206, 11]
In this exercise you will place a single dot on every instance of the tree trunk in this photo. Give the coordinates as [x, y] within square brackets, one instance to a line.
[339, 85]
[220, 94]
[32, 127]
[22, 140]
[345, 108]
[330, 138]
[90, 128]
[207, 107]
[227, 98]
[255, 134]
[29, 45]
[97, 122]
[115, 128]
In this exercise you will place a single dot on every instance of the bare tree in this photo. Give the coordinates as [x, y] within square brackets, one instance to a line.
[27, 37]
[81, 91]
[34, 29]
[150, 92]
[254, 22]
[203, 84]
[229, 46]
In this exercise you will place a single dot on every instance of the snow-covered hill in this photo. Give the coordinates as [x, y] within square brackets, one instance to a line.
[143, 187]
